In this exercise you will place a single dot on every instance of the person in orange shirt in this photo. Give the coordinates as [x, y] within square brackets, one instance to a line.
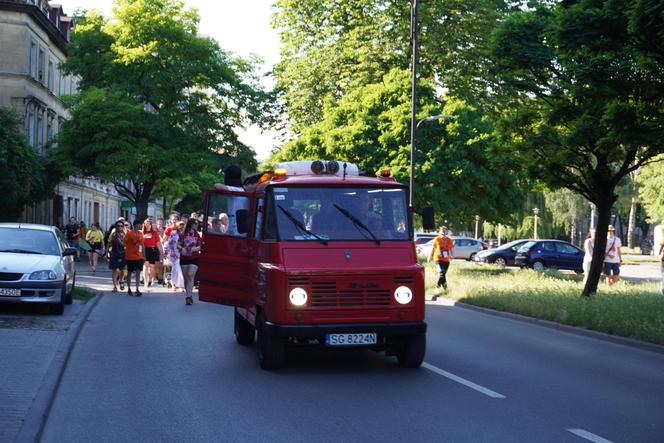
[134, 255]
[442, 251]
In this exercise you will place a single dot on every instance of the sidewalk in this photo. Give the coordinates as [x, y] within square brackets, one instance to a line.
[30, 342]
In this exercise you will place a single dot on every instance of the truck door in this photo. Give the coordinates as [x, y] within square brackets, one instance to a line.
[225, 274]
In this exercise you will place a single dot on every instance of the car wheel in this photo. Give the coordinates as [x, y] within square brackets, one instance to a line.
[59, 308]
[271, 350]
[244, 331]
[472, 256]
[411, 353]
[538, 265]
[500, 261]
[70, 296]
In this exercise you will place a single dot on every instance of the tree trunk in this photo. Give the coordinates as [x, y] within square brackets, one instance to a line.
[632, 224]
[603, 218]
[141, 209]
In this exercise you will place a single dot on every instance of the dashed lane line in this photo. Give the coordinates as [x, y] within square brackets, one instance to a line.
[589, 436]
[463, 381]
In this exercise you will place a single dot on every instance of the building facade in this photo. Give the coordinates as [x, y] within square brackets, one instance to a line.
[33, 44]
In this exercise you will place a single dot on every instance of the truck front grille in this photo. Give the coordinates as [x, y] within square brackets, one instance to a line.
[346, 292]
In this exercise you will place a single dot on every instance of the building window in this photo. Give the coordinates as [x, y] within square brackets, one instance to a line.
[49, 129]
[62, 83]
[49, 76]
[40, 132]
[41, 65]
[33, 59]
[31, 127]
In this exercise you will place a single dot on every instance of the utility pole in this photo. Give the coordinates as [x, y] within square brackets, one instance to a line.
[413, 121]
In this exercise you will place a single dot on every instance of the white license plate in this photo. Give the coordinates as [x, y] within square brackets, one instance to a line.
[10, 292]
[367, 338]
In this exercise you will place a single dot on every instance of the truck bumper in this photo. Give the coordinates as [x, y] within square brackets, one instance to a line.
[317, 331]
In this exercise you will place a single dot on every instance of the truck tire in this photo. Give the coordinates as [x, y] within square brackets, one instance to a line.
[411, 353]
[244, 331]
[271, 350]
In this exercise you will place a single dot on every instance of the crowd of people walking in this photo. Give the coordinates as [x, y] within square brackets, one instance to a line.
[144, 253]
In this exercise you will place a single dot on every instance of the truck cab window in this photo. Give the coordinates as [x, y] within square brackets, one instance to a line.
[222, 213]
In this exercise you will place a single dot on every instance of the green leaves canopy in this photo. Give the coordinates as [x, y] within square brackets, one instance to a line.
[21, 173]
[454, 170]
[157, 94]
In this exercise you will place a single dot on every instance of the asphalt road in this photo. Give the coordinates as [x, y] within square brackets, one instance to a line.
[152, 369]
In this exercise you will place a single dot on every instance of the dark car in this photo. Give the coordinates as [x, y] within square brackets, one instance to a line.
[502, 255]
[540, 254]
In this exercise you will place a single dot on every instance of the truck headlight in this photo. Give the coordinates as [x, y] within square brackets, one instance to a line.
[298, 297]
[43, 275]
[403, 295]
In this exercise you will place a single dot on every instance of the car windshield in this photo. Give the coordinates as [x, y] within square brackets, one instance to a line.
[511, 244]
[337, 213]
[526, 246]
[28, 241]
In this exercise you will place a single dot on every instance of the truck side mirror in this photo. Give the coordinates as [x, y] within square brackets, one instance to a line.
[242, 218]
[428, 222]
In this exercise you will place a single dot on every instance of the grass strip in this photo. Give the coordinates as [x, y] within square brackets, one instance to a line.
[627, 309]
[83, 294]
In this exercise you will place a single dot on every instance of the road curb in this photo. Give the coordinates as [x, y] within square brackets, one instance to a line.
[35, 420]
[567, 328]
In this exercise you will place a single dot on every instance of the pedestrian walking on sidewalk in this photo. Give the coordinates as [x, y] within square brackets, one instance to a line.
[134, 256]
[72, 234]
[190, 248]
[96, 239]
[442, 249]
[116, 254]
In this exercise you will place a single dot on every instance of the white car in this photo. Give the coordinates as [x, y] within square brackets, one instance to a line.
[464, 247]
[36, 266]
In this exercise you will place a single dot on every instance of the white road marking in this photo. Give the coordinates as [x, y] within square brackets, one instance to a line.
[463, 381]
[589, 436]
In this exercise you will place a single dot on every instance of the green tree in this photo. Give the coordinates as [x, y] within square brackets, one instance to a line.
[455, 168]
[651, 189]
[21, 172]
[183, 97]
[567, 208]
[331, 47]
[582, 96]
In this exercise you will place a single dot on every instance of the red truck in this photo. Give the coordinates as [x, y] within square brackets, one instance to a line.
[313, 254]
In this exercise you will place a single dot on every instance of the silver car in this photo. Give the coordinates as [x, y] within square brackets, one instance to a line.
[36, 266]
[464, 248]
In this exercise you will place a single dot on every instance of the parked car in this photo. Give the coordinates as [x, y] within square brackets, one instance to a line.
[541, 254]
[464, 247]
[502, 255]
[422, 238]
[36, 266]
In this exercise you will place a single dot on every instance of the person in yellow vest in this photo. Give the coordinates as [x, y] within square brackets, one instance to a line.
[441, 251]
[96, 239]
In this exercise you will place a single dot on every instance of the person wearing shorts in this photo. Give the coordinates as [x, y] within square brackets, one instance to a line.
[190, 249]
[152, 244]
[96, 239]
[134, 256]
[612, 258]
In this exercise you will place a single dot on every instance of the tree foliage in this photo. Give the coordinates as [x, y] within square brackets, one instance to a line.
[582, 96]
[164, 101]
[651, 189]
[331, 47]
[455, 169]
[22, 176]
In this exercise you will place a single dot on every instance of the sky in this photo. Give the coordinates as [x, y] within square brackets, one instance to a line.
[240, 26]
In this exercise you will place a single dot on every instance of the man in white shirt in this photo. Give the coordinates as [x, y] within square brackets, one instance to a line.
[612, 258]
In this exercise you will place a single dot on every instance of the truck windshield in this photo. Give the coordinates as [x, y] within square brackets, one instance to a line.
[337, 213]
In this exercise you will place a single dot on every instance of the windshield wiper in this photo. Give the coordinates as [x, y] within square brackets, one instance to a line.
[21, 251]
[301, 226]
[358, 224]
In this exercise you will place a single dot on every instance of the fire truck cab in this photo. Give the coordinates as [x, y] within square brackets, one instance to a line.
[315, 254]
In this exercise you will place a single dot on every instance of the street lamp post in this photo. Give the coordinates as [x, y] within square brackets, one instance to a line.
[413, 126]
[535, 212]
[477, 226]
[592, 215]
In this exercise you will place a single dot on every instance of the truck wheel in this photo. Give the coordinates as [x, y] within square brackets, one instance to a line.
[244, 331]
[411, 353]
[271, 350]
